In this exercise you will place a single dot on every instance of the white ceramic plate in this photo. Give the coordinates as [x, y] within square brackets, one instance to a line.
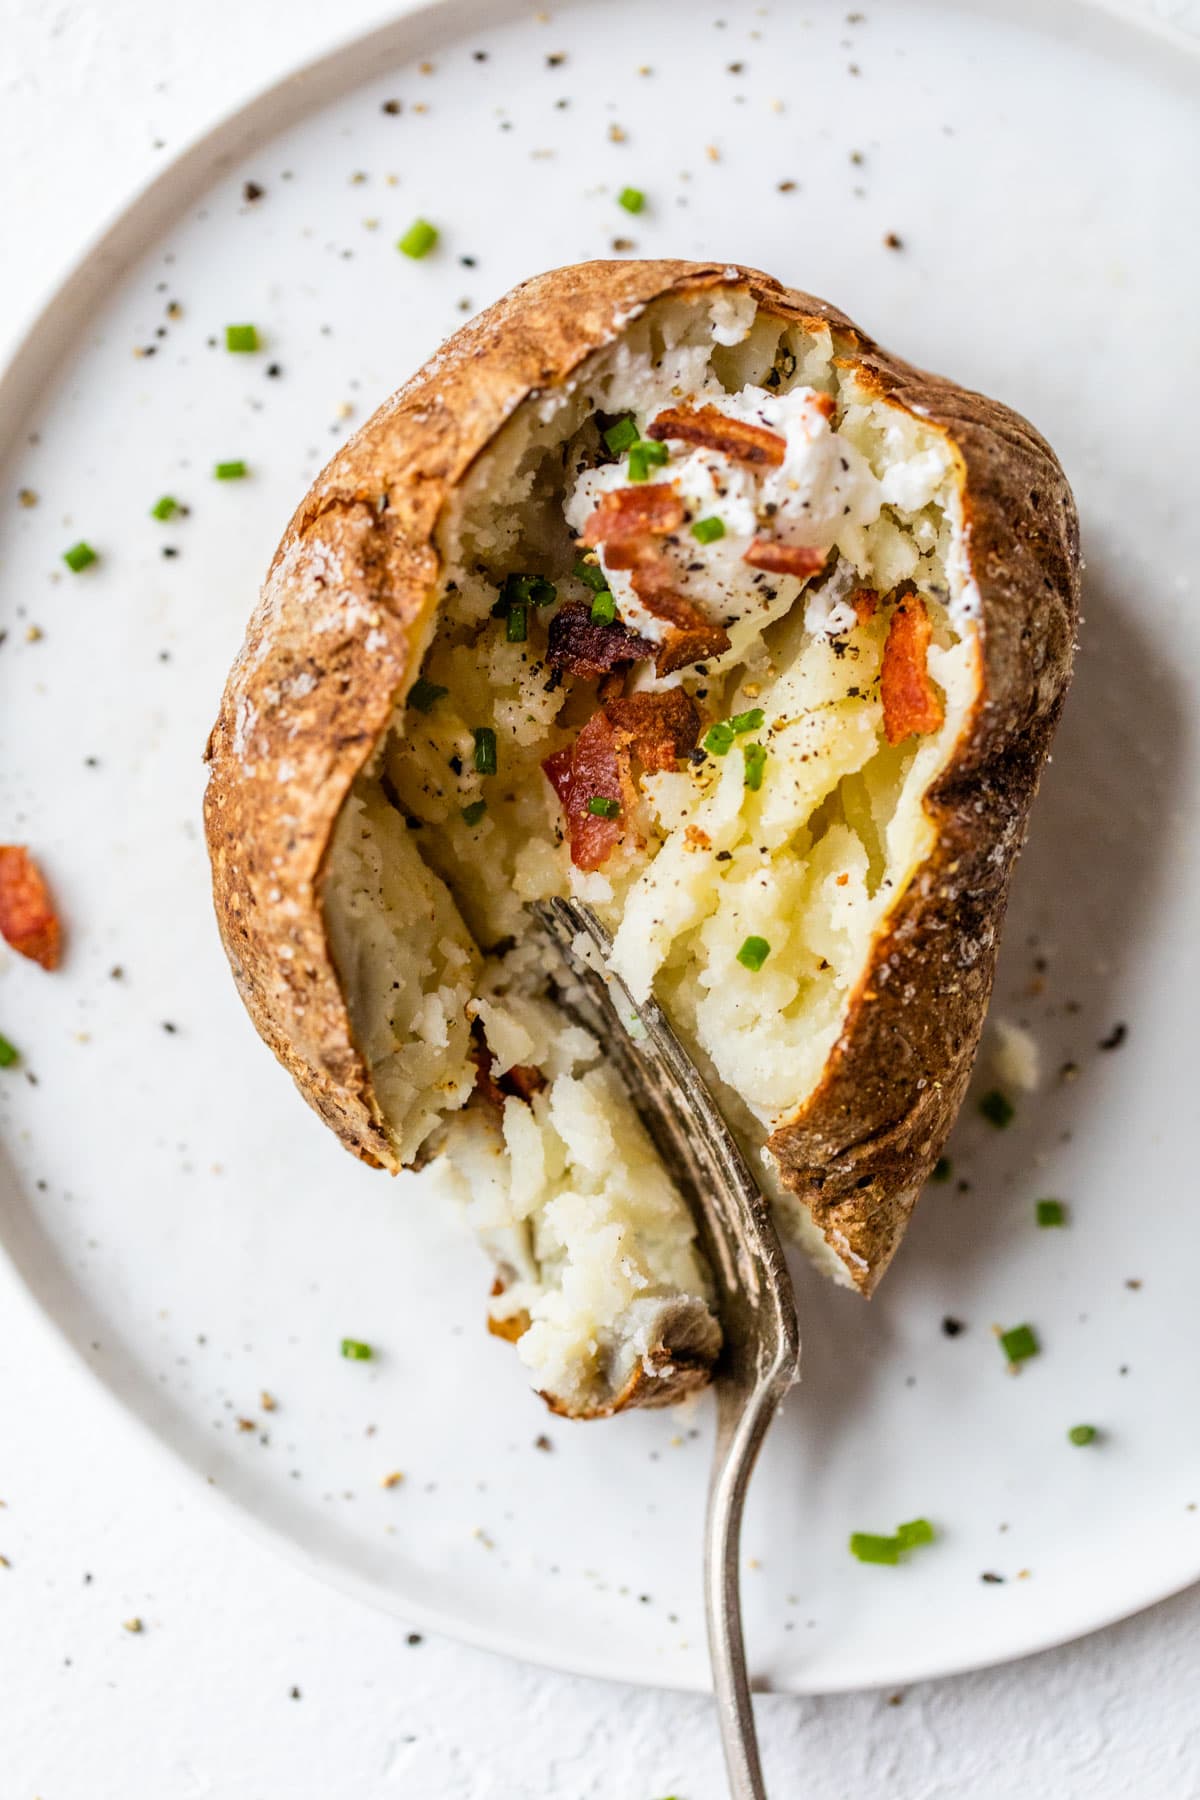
[168, 1198]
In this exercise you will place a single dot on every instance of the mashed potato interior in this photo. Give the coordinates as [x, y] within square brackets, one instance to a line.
[748, 876]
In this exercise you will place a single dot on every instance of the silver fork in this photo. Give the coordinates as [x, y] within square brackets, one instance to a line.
[761, 1355]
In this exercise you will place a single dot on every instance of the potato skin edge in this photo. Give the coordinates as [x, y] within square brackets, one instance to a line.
[341, 618]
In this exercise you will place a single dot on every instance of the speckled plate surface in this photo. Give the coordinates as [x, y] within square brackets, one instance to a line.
[186, 1223]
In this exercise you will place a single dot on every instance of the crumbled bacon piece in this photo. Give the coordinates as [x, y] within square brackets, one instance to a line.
[626, 515]
[594, 767]
[911, 703]
[712, 429]
[800, 560]
[659, 728]
[692, 645]
[865, 602]
[575, 643]
[28, 920]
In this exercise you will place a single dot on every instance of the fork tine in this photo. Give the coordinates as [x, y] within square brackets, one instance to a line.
[760, 1359]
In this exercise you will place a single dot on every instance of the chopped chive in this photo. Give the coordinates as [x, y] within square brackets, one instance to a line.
[525, 590]
[230, 471]
[644, 455]
[516, 628]
[604, 608]
[591, 575]
[241, 337]
[485, 750]
[997, 1108]
[754, 953]
[638, 468]
[1051, 1212]
[603, 808]
[472, 814]
[747, 721]
[632, 199]
[718, 739]
[623, 435]
[79, 556]
[166, 508]
[424, 695]
[1082, 1434]
[943, 1168]
[354, 1350]
[916, 1531]
[707, 531]
[755, 760]
[871, 1549]
[1019, 1343]
[418, 240]
[9, 1054]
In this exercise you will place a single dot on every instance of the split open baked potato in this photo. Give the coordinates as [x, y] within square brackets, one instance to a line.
[662, 585]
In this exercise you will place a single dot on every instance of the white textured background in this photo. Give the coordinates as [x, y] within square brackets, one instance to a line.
[250, 1682]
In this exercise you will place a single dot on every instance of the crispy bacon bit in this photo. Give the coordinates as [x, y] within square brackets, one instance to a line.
[712, 429]
[800, 560]
[658, 728]
[576, 644]
[911, 703]
[28, 920]
[683, 648]
[865, 602]
[626, 515]
[595, 767]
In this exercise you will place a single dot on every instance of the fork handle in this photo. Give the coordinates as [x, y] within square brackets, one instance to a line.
[742, 1423]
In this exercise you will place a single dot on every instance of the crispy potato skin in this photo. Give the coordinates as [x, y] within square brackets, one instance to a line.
[344, 617]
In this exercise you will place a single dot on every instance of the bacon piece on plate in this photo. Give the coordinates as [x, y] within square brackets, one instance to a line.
[865, 602]
[911, 703]
[683, 648]
[626, 515]
[711, 429]
[594, 767]
[28, 920]
[800, 560]
[658, 727]
[576, 644]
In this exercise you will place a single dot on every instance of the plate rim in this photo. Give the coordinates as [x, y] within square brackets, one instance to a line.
[29, 360]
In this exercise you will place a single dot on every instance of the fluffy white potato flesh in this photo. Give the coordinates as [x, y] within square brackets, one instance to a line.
[799, 828]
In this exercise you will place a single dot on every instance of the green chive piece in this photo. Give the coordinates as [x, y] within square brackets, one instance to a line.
[424, 695]
[623, 435]
[1019, 1343]
[1082, 1434]
[603, 808]
[591, 575]
[916, 1531]
[638, 467]
[1051, 1212]
[241, 337]
[943, 1168]
[418, 240]
[632, 199]
[755, 760]
[354, 1350]
[166, 508]
[604, 608]
[472, 814]
[79, 556]
[718, 739]
[871, 1549]
[644, 455]
[754, 953]
[485, 750]
[525, 590]
[516, 628]
[9, 1054]
[707, 531]
[747, 721]
[230, 471]
[997, 1109]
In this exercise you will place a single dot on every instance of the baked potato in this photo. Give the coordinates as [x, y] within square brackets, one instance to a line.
[661, 585]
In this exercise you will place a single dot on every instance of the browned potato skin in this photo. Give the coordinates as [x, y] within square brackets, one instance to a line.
[330, 649]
